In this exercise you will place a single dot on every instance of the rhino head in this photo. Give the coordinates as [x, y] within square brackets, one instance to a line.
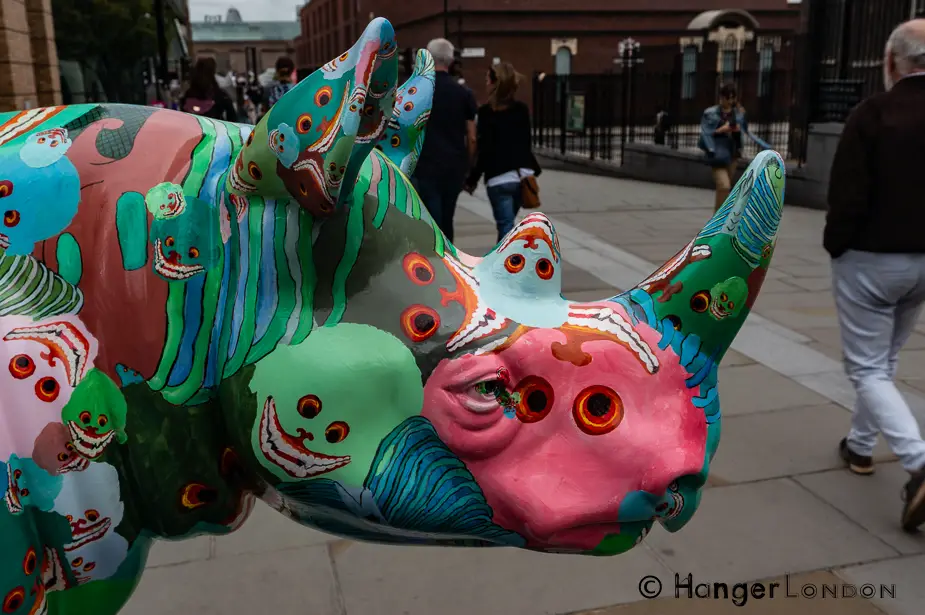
[446, 398]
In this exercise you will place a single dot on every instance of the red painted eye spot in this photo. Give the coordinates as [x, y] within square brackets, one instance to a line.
[195, 495]
[597, 410]
[47, 389]
[396, 141]
[309, 406]
[254, 171]
[536, 399]
[544, 269]
[6, 188]
[22, 366]
[409, 106]
[14, 599]
[250, 139]
[92, 515]
[84, 417]
[412, 90]
[304, 123]
[11, 218]
[29, 562]
[323, 96]
[515, 263]
[420, 322]
[700, 302]
[418, 269]
[336, 432]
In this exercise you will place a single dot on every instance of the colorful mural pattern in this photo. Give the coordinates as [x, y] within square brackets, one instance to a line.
[195, 313]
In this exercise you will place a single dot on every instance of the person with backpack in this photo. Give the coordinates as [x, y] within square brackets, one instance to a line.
[204, 96]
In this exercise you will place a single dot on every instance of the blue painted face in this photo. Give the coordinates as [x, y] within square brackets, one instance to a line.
[35, 203]
[45, 148]
[28, 485]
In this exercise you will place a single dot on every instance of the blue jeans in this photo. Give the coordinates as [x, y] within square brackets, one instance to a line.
[440, 197]
[506, 201]
[879, 298]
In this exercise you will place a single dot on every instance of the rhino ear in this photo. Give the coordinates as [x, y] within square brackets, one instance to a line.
[404, 136]
[706, 291]
[311, 144]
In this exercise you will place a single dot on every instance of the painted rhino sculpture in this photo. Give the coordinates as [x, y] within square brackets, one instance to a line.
[194, 313]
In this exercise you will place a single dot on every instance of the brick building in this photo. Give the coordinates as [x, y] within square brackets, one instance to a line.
[554, 37]
[29, 75]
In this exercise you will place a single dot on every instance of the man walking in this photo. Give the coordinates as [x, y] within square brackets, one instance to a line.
[874, 233]
[449, 147]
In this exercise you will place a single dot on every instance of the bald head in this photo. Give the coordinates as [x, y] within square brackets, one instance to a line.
[905, 52]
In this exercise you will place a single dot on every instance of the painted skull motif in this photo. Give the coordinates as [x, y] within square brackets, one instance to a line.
[725, 299]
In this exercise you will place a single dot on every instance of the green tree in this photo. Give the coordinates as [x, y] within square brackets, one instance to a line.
[112, 38]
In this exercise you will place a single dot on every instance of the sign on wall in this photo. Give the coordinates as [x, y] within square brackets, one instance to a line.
[472, 52]
[575, 120]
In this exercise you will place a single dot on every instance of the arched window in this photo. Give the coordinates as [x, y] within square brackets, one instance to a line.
[563, 61]
[689, 76]
[729, 59]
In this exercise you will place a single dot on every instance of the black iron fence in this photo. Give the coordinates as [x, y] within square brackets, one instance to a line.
[595, 116]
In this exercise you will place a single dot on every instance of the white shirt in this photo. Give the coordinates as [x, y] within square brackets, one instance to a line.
[511, 177]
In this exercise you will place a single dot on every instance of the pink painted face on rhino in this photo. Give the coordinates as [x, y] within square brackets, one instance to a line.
[40, 364]
[592, 424]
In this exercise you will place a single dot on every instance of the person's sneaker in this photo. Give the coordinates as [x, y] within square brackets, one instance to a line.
[914, 497]
[858, 464]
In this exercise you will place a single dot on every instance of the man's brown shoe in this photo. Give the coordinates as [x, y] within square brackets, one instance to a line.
[858, 464]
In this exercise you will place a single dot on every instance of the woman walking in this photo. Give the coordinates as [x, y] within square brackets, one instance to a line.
[721, 130]
[505, 153]
[204, 96]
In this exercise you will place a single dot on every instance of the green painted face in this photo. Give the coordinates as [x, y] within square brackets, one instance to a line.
[165, 201]
[187, 244]
[95, 414]
[312, 421]
[28, 485]
[727, 298]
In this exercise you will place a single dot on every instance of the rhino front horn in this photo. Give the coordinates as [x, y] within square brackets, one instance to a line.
[706, 291]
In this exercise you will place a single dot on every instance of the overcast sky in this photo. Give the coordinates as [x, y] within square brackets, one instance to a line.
[251, 10]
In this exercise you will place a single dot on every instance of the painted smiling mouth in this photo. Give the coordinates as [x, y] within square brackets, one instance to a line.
[87, 442]
[288, 453]
[63, 340]
[4, 241]
[606, 321]
[717, 312]
[41, 605]
[11, 497]
[170, 270]
[237, 182]
[312, 166]
[90, 533]
[53, 578]
[75, 464]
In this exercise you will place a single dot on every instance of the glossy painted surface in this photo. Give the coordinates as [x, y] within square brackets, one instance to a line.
[195, 313]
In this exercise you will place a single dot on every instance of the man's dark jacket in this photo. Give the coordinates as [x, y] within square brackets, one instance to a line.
[877, 186]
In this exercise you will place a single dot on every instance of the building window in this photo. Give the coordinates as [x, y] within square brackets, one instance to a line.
[765, 65]
[564, 61]
[729, 59]
[689, 73]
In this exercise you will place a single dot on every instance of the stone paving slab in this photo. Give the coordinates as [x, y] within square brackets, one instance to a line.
[905, 574]
[785, 597]
[755, 388]
[384, 580]
[267, 530]
[787, 442]
[873, 502]
[283, 582]
[764, 529]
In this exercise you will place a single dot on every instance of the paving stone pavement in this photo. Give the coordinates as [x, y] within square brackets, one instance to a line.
[779, 508]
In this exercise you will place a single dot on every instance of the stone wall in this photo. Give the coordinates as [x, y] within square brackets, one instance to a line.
[29, 75]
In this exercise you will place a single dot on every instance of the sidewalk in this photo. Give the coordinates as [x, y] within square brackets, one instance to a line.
[779, 502]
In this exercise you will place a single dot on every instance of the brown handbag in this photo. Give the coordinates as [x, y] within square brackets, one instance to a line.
[530, 191]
